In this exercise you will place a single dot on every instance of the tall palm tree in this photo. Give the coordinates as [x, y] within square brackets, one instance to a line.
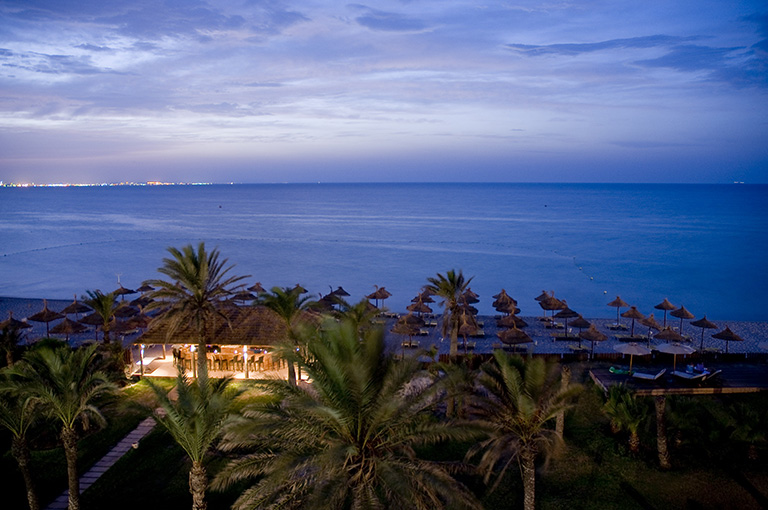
[193, 297]
[68, 386]
[9, 339]
[627, 412]
[450, 287]
[289, 305]
[17, 415]
[360, 315]
[520, 401]
[349, 440]
[194, 420]
[104, 305]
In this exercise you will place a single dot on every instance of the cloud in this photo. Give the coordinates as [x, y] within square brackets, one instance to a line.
[387, 21]
[52, 64]
[571, 49]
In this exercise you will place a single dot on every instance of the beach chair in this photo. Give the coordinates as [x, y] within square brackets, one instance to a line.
[712, 376]
[688, 376]
[649, 377]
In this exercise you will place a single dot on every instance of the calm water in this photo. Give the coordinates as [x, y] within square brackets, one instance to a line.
[703, 246]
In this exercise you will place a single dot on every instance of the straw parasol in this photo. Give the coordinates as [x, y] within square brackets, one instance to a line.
[566, 313]
[633, 313]
[703, 323]
[76, 308]
[682, 313]
[122, 291]
[551, 303]
[511, 321]
[650, 321]
[675, 348]
[403, 328]
[340, 292]
[514, 336]
[633, 349]
[470, 297]
[11, 323]
[544, 294]
[379, 295]
[669, 335]
[666, 306]
[419, 307]
[301, 290]
[728, 336]
[593, 335]
[68, 327]
[425, 296]
[618, 304]
[256, 287]
[145, 288]
[45, 315]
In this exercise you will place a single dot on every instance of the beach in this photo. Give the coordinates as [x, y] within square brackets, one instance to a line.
[754, 334]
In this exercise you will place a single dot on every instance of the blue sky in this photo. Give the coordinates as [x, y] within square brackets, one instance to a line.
[449, 90]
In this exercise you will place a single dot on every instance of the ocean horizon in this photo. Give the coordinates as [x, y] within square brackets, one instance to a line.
[699, 245]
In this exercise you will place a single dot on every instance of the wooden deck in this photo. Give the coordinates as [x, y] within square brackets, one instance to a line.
[735, 378]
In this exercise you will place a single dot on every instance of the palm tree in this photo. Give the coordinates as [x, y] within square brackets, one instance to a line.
[68, 386]
[194, 295]
[627, 412]
[349, 440]
[17, 415]
[104, 305]
[9, 339]
[194, 420]
[519, 401]
[289, 305]
[360, 315]
[450, 287]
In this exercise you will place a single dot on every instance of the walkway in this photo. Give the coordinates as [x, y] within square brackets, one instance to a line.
[106, 462]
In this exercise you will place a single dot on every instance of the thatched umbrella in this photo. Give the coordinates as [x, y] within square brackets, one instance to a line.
[650, 321]
[379, 295]
[76, 308]
[566, 313]
[633, 349]
[675, 348]
[244, 296]
[145, 288]
[593, 335]
[470, 297]
[340, 292]
[618, 304]
[633, 313]
[425, 296]
[122, 292]
[68, 327]
[703, 323]
[403, 328]
[551, 303]
[45, 315]
[124, 311]
[256, 287]
[503, 302]
[580, 323]
[301, 290]
[669, 335]
[514, 336]
[419, 307]
[141, 301]
[544, 295]
[682, 313]
[11, 323]
[666, 306]
[728, 336]
[511, 321]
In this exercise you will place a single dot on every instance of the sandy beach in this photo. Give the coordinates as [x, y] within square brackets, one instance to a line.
[755, 334]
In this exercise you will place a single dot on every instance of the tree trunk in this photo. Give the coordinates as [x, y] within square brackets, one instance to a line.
[202, 359]
[20, 452]
[661, 432]
[634, 442]
[105, 329]
[69, 439]
[454, 349]
[565, 380]
[9, 356]
[291, 373]
[528, 467]
[198, 484]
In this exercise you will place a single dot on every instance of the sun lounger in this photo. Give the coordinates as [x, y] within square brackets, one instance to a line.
[649, 377]
[688, 376]
[713, 375]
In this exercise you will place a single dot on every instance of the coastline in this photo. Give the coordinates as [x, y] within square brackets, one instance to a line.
[755, 334]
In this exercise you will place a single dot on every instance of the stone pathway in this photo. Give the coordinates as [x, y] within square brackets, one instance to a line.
[106, 462]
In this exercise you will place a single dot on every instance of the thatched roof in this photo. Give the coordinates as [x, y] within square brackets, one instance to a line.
[251, 325]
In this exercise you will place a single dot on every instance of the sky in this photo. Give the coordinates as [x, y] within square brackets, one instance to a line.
[410, 90]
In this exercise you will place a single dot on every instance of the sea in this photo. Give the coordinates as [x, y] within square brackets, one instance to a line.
[701, 246]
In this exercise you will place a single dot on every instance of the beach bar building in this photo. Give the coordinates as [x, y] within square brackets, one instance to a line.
[241, 345]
